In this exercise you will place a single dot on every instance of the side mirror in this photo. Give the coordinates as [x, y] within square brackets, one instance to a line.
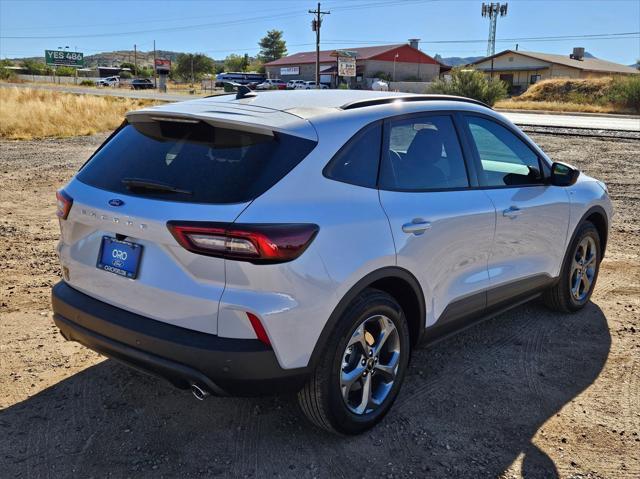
[563, 174]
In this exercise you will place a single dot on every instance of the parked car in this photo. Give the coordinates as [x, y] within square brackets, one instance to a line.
[249, 79]
[291, 84]
[307, 241]
[311, 85]
[113, 81]
[272, 84]
[142, 84]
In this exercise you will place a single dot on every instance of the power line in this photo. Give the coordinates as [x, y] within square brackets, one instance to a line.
[239, 21]
[598, 36]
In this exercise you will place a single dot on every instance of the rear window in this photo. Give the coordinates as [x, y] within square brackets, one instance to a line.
[193, 162]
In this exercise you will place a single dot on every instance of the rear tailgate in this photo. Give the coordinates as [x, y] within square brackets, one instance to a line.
[172, 284]
[164, 169]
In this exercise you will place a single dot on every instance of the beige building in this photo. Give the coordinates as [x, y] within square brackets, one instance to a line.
[520, 69]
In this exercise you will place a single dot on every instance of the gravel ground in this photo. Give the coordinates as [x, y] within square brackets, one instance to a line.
[527, 394]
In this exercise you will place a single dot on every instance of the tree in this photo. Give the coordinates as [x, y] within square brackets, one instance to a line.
[272, 46]
[63, 71]
[471, 84]
[34, 67]
[199, 63]
[233, 63]
[130, 66]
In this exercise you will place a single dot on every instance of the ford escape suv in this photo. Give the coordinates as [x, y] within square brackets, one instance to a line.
[307, 241]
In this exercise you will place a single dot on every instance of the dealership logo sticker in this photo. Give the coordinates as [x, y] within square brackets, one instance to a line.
[116, 202]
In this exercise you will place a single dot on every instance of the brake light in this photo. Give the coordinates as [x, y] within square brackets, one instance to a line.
[258, 328]
[63, 204]
[256, 243]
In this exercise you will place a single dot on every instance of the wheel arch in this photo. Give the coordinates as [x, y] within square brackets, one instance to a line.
[395, 281]
[598, 217]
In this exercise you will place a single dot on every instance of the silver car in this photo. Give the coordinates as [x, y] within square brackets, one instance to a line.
[308, 240]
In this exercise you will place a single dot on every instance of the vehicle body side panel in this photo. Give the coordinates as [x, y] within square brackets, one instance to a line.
[294, 300]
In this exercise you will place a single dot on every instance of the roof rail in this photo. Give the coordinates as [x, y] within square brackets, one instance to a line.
[391, 99]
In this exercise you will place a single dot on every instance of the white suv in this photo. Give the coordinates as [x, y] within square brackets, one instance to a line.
[109, 81]
[307, 241]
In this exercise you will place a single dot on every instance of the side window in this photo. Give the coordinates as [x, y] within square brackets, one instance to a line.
[357, 161]
[423, 154]
[506, 159]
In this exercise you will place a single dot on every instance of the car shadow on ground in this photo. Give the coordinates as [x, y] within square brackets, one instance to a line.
[469, 407]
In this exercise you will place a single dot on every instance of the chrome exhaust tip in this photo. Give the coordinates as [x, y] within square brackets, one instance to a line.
[199, 393]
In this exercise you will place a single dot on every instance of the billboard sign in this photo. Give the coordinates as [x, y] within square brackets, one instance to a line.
[163, 65]
[346, 67]
[64, 58]
[289, 71]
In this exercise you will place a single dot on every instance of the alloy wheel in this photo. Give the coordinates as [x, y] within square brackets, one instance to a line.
[370, 364]
[583, 269]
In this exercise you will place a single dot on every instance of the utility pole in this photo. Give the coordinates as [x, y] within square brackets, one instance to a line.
[493, 10]
[155, 72]
[192, 80]
[135, 60]
[315, 26]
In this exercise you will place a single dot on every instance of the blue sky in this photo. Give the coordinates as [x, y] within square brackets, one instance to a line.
[220, 27]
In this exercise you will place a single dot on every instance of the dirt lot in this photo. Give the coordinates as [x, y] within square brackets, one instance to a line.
[527, 394]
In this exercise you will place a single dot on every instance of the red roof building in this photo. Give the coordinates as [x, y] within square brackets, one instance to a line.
[401, 62]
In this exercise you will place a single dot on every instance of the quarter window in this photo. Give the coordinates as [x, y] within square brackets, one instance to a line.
[506, 160]
[423, 153]
[357, 161]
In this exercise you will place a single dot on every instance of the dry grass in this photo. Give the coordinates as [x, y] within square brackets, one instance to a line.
[597, 95]
[513, 104]
[28, 113]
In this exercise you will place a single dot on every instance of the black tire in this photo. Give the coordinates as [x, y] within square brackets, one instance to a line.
[321, 398]
[560, 297]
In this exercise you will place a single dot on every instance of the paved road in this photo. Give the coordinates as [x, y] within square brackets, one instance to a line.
[594, 122]
[575, 121]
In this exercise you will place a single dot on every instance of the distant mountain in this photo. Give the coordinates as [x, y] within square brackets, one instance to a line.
[636, 65]
[121, 56]
[455, 61]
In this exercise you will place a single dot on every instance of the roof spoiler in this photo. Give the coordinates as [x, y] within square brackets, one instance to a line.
[140, 116]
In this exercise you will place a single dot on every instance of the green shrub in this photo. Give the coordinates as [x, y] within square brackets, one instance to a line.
[471, 84]
[65, 72]
[125, 74]
[626, 92]
[87, 83]
[6, 74]
[343, 86]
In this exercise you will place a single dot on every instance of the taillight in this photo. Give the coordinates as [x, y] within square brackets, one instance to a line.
[257, 243]
[63, 204]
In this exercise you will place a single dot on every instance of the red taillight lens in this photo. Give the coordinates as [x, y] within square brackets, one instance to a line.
[63, 204]
[257, 243]
[258, 328]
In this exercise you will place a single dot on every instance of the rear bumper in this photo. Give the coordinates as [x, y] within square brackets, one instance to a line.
[223, 366]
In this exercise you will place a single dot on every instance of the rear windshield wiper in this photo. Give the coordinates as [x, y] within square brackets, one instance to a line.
[142, 184]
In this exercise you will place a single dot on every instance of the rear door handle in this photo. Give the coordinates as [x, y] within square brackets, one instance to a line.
[416, 227]
[512, 212]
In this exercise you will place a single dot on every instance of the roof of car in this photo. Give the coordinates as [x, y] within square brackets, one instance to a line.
[286, 111]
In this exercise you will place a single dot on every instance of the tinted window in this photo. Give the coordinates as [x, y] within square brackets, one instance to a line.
[357, 161]
[423, 154]
[208, 165]
[505, 158]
